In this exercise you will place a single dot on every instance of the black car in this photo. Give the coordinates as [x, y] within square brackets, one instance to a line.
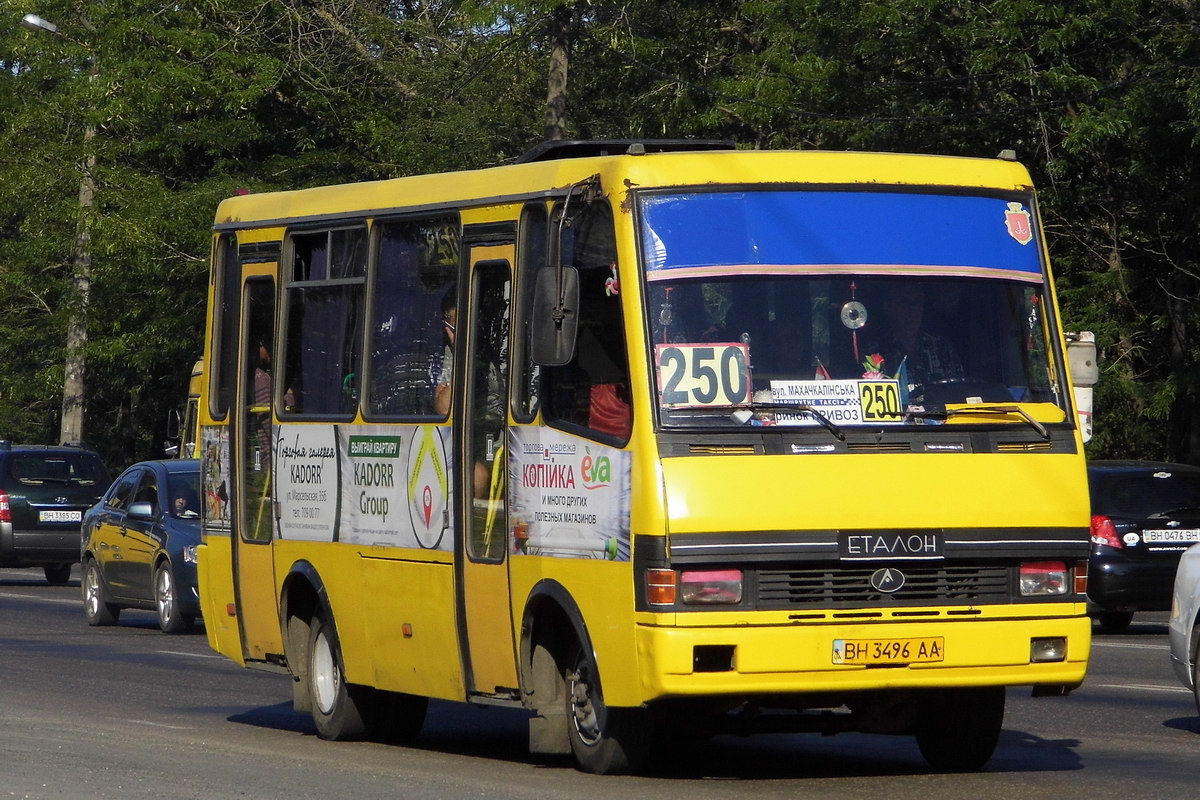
[139, 545]
[1144, 515]
[43, 494]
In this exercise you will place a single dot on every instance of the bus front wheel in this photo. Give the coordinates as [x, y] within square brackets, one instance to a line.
[335, 706]
[604, 741]
[958, 729]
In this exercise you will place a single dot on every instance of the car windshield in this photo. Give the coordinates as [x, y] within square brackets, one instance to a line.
[65, 469]
[1126, 493]
[184, 490]
[762, 299]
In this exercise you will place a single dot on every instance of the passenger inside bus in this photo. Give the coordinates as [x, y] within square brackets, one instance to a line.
[906, 345]
[491, 422]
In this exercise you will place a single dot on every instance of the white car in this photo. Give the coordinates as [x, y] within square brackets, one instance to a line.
[1184, 626]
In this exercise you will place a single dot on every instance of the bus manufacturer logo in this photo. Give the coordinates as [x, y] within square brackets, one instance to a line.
[887, 580]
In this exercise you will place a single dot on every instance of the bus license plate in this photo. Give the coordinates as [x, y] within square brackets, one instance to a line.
[888, 651]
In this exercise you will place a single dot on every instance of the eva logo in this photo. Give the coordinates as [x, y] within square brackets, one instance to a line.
[596, 472]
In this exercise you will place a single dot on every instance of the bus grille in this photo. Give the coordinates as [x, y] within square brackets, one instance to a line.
[852, 587]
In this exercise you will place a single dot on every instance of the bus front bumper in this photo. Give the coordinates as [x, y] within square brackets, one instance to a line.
[797, 658]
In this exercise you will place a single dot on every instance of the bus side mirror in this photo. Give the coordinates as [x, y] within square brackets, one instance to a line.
[555, 316]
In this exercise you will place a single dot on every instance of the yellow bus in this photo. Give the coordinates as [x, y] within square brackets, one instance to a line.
[182, 441]
[654, 440]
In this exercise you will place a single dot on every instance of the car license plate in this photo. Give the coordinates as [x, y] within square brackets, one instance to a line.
[1185, 535]
[60, 516]
[889, 651]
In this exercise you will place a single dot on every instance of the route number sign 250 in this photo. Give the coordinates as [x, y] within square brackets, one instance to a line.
[698, 375]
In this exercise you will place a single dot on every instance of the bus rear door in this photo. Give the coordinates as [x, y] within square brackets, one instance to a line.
[254, 579]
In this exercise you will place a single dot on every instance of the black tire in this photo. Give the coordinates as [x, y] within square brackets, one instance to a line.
[166, 601]
[604, 741]
[1115, 621]
[96, 607]
[399, 717]
[1196, 679]
[57, 574]
[337, 707]
[957, 729]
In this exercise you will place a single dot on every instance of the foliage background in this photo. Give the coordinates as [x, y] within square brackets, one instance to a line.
[194, 100]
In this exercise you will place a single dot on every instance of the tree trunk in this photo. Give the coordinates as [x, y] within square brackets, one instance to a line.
[556, 90]
[78, 301]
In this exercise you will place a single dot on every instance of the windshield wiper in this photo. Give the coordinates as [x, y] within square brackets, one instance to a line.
[984, 409]
[1174, 511]
[743, 414]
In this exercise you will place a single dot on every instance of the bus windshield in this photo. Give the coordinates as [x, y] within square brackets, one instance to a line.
[863, 308]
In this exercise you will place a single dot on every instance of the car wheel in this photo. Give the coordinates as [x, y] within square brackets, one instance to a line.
[1196, 679]
[605, 741]
[57, 573]
[166, 601]
[1115, 621]
[337, 707]
[96, 607]
[957, 729]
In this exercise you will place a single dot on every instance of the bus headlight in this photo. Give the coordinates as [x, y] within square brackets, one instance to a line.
[1043, 578]
[189, 554]
[711, 586]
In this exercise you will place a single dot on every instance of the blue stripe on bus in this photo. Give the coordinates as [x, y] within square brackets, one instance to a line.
[812, 228]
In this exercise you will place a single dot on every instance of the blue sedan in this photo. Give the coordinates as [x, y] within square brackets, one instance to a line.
[139, 545]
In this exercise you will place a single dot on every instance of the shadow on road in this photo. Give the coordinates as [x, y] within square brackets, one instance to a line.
[502, 734]
[1186, 724]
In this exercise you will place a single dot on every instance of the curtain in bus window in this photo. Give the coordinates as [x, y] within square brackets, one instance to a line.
[418, 260]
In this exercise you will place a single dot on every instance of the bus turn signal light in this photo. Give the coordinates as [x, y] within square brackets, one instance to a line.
[1081, 568]
[660, 586]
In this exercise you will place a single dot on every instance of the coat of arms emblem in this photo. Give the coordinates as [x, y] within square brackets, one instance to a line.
[1016, 219]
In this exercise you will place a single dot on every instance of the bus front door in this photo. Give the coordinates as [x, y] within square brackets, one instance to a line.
[253, 563]
[483, 472]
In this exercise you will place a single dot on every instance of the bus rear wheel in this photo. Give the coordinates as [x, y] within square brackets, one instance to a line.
[604, 741]
[958, 729]
[336, 707]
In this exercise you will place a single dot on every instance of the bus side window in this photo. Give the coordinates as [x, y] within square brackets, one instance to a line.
[592, 390]
[532, 250]
[225, 326]
[417, 264]
[324, 309]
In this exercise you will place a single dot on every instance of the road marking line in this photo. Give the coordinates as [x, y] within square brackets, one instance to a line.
[1144, 687]
[40, 599]
[192, 655]
[1131, 645]
[157, 724]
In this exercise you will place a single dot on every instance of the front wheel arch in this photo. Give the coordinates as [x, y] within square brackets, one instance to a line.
[552, 619]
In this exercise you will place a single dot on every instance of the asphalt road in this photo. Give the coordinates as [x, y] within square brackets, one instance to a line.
[130, 713]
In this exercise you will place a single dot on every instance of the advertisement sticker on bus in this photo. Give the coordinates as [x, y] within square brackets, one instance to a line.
[570, 496]
[214, 473]
[306, 482]
[395, 486]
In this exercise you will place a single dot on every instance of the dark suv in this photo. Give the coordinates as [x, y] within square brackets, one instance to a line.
[43, 494]
[1144, 515]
